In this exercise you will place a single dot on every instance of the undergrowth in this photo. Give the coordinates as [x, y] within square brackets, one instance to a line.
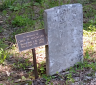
[3, 55]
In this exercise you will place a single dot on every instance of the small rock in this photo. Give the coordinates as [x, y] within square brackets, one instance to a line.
[10, 56]
[76, 83]
[1, 22]
[0, 16]
[8, 74]
[89, 72]
[95, 74]
[63, 73]
[26, 84]
[76, 78]
[31, 68]
[88, 78]
[93, 82]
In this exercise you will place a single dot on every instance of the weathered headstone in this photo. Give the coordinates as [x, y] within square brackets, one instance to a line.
[64, 29]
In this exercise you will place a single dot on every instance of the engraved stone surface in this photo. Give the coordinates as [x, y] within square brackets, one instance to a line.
[64, 29]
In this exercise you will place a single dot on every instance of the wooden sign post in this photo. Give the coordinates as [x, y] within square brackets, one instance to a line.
[35, 64]
[31, 40]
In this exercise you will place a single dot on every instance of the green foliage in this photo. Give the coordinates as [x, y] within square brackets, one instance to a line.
[87, 56]
[4, 12]
[23, 78]
[85, 64]
[6, 4]
[1, 84]
[69, 77]
[18, 7]
[92, 28]
[93, 66]
[39, 1]
[91, 74]
[19, 21]
[80, 66]
[1, 29]
[15, 8]
[47, 78]
[22, 64]
[41, 68]
[85, 1]
[2, 44]
[90, 16]
[89, 11]
[90, 25]
[3, 55]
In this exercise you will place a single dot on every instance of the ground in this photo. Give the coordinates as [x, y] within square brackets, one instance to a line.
[17, 67]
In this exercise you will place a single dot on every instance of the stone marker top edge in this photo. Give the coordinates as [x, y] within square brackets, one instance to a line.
[62, 6]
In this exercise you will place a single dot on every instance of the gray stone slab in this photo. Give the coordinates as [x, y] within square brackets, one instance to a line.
[64, 29]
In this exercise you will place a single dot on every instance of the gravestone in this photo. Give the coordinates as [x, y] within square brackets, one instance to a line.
[64, 29]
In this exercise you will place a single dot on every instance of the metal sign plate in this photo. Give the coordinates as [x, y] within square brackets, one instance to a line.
[31, 40]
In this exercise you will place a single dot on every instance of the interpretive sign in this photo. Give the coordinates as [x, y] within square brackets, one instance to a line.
[31, 40]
